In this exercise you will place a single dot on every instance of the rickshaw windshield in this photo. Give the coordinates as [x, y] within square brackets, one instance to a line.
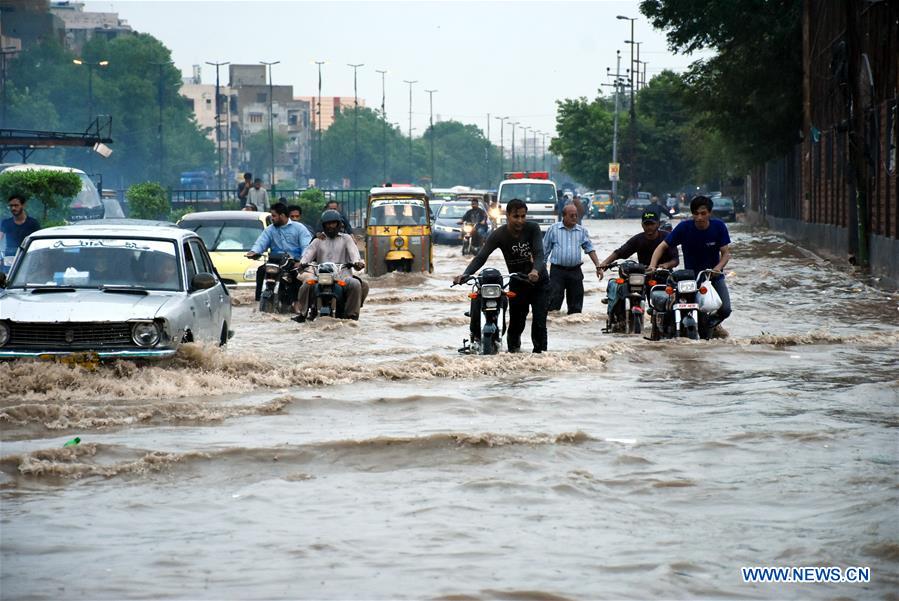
[407, 211]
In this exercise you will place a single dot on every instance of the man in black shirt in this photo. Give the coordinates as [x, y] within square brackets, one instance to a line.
[478, 217]
[521, 243]
[644, 245]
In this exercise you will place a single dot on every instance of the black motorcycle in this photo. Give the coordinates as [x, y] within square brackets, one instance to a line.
[489, 296]
[624, 297]
[279, 285]
[471, 238]
[328, 297]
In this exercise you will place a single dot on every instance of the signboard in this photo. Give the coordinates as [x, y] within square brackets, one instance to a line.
[613, 171]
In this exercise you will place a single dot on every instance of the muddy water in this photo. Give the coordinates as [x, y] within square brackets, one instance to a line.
[368, 460]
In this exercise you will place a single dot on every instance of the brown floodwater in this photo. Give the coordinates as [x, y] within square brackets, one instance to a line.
[370, 460]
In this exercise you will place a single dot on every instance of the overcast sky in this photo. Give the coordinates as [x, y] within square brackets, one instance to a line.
[504, 58]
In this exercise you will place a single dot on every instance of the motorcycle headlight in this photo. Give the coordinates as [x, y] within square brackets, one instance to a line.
[467, 228]
[686, 286]
[272, 269]
[250, 273]
[636, 279]
[326, 279]
[4, 334]
[491, 291]
[145, 334]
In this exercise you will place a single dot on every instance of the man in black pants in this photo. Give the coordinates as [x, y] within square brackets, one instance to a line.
[522, 245]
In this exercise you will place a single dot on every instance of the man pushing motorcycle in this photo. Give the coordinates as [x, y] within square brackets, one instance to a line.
[521, 243]
[338, 248]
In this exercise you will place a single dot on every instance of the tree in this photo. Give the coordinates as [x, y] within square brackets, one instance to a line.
[750, 91]
[260, 148]
[584, 140]
[51, 188]
[147, 201]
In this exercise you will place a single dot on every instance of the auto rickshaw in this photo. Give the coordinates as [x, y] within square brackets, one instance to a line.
[398, 231]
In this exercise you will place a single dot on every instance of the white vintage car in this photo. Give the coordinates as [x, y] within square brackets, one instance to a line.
[109, 292]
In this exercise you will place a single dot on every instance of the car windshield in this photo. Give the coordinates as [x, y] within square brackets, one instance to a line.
[544, 193]
[603, 197]
[398, 212]
[722, 202]
[237, 235]
[453, 211]
[98, 262]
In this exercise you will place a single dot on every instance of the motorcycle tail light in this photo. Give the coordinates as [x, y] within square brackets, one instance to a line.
[619, 280]
[341, 283]
[511, 294]
[669, 290]
[652, 282]
[312, 282]
[472, 295]
[703, 290]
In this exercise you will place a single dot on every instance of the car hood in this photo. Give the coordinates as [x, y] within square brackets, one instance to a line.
[83, 305]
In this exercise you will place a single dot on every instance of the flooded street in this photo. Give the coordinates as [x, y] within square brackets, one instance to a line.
[369, 460]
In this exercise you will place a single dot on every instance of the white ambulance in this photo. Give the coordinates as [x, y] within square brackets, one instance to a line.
[534, 188]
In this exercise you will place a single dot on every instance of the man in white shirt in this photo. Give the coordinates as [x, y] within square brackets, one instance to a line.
[258, 196]
[335, 248]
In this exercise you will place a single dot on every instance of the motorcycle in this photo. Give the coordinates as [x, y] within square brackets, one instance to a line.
[327, 298]
[677, 310]
[469, 234]
[280, 280]
[625, 298]
[490, 296]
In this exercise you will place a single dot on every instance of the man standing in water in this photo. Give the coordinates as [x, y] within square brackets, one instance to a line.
[521, 243]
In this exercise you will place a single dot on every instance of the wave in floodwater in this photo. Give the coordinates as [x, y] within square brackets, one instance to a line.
[202, 371]
[106, 460]
[394, 298]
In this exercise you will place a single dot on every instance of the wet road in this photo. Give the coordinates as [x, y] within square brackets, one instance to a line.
[368, 460]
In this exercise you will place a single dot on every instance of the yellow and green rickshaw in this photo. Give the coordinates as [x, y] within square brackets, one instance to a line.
[398, 231]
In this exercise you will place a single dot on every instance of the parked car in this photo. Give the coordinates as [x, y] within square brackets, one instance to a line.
[229, 235]
[723, 208]
[602, 206]
[447, 229]
[634, 207]
[111, 292]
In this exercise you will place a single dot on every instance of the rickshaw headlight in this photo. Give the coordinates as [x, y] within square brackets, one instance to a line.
[398, 242]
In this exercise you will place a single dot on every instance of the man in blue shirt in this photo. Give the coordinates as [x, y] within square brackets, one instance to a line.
[564, 244]
[282, 237]
[14, 230]
[706, 245]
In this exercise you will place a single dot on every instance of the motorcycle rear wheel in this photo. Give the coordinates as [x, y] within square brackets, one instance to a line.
[488, 346]
[266, 304]
[636, 325]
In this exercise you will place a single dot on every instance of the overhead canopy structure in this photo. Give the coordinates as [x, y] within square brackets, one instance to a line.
[26, 141]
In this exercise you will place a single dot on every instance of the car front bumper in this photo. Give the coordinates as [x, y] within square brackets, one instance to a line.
[88, 356]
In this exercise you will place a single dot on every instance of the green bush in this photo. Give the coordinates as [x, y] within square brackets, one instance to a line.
[176, 215]
[148, 201]
[312, 201]
[51, 188]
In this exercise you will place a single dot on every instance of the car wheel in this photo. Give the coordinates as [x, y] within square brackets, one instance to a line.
[223, 339]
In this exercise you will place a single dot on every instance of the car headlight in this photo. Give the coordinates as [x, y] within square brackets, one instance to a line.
[4, 334]
[443, 228]
[250, 273]
[145, 334]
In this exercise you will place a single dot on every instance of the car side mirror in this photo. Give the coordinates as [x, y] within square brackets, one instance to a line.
[202, 281]
[2, 280]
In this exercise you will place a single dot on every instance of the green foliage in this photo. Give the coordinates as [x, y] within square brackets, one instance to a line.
[750, 91]
[51, 188]
[47, 91]
[584, 139]
[148, 201]
[312, 202]
[260, 150]
[175, 215]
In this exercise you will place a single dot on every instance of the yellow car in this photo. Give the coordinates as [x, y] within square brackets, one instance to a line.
[229, 235]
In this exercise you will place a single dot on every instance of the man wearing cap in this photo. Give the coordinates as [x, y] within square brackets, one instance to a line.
[644, 245]
[564, 243]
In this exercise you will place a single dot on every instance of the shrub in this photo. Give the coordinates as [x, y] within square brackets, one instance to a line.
[148, 201]
[51, 188]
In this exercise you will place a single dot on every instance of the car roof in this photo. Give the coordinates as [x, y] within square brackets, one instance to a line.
[398, 190]
[232, 215]
[115, 231]
[37, 167]
[150, 222]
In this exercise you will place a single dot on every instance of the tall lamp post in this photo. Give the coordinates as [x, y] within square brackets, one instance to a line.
[431, 104]
[218, 126]
[632, 125]
[271, 118]
[318, 125]
[384, 134]
[525, 151]
[514, 123]
[355, 123]
[502, 149]
[90, 83]
[410, 125]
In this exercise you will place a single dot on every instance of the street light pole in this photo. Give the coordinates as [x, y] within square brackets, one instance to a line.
[632, 125]
[431, 104]
[384, 135]
[514, 123]
[90, 84]
[410, 125]
[525, 151]
[355, 124]
[218, 126]
[487, 179]
[271, 118]
[318, 124]
[502, 148]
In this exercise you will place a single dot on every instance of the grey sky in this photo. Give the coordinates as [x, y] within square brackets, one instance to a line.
[504, 58]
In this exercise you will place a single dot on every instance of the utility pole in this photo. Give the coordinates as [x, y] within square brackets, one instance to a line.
[525, 151]
[410, 125]
[271, 119]
[645, 63]
[318, 123]
[514, 123]
[618, 84]
[218, 126]
[431, 101]
[502, 148]
[384, 134]
[543, 149]
[632, 125]
[487, 179]
[355, 125]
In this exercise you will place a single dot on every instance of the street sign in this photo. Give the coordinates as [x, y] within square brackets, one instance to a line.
[613, 171]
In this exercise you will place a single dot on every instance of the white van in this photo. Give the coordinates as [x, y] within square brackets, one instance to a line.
[534, 188]
[84, 205]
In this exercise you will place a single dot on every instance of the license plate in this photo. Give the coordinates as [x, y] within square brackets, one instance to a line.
[87, 360]
[686, 306]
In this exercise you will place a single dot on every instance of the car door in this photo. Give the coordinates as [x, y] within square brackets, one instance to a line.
[200, 300]
[219, 299]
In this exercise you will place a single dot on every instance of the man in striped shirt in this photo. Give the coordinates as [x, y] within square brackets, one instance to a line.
[564, 244]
